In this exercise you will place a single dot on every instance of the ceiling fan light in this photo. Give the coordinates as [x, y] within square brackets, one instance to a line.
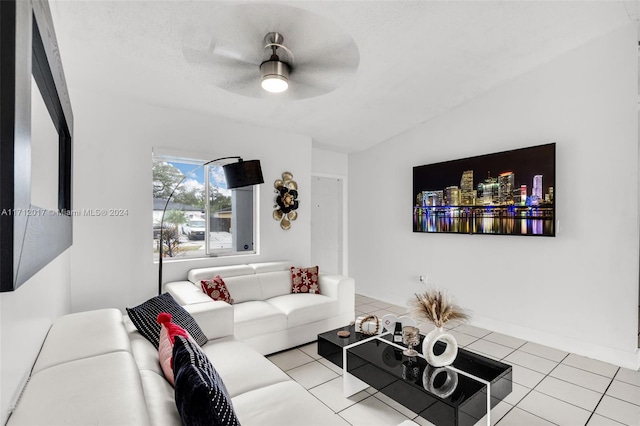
[275, 76]
[274, 84]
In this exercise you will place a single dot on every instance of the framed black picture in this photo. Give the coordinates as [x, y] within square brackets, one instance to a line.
[505, 193]
[31, 74]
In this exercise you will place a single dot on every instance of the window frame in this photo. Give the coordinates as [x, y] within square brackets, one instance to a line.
[198, 161]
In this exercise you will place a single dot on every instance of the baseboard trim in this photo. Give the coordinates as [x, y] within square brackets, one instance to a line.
[615, 356]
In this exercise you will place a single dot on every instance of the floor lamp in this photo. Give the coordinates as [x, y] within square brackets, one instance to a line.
[239, 174]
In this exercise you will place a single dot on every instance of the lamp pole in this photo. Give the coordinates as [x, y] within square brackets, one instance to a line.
[256, 174]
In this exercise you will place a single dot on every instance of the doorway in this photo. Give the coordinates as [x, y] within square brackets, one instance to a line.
[328, 213]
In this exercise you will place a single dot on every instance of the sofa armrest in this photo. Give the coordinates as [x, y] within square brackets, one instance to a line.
[186, 292]
[341, 288]
[215, 318]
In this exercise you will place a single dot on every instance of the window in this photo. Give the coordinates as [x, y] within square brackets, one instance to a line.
[203, 218]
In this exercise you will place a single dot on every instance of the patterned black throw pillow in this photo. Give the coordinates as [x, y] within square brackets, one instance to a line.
[144, 317]
[201, 396]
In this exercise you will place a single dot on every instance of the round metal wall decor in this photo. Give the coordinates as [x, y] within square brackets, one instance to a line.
[286, 200]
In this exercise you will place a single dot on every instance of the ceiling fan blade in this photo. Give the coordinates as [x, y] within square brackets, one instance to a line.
[215, 58]
[207, 41]
[247, 83]
[243, 82]
[339, 54]
[319, 78]
[317, 81]
[302, 88]
[231, 53]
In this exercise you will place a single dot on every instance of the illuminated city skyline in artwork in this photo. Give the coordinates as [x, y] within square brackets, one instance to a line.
[511, 192]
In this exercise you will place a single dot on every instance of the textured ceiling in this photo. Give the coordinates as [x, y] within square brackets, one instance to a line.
[379, 67]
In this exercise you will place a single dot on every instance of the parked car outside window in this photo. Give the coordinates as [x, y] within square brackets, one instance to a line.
[194, 229]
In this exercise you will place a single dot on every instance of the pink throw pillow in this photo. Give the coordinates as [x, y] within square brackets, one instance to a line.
[168, 331]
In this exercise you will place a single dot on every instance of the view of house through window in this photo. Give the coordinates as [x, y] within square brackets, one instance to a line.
[203, 217]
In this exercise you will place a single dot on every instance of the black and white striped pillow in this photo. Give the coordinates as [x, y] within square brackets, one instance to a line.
[200, 394]
[144, 317]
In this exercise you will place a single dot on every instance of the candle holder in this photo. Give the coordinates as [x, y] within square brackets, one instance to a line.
[410, 337]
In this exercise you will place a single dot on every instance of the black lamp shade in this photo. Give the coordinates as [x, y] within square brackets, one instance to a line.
[243, 173]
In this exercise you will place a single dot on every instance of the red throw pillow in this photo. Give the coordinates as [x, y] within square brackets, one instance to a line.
[216, 289]
[168, 331]
[304, 280]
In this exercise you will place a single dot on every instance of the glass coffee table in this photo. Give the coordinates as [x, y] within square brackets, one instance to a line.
[460, 394]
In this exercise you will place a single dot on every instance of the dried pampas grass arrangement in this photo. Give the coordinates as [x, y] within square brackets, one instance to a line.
[437, 306]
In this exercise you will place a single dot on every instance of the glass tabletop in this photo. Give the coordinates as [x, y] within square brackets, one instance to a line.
[463, 388]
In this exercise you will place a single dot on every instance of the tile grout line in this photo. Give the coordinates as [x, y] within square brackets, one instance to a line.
[337, 413]
[622, 400]
[602, 397]
[592, 372]
[521, 399]
[528, 412]
[575, 384]
[543, 357]
[532, 389]
[319, 363]
[510, 347]
[571, 383]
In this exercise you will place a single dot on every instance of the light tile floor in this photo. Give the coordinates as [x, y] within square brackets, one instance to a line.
[550, 387]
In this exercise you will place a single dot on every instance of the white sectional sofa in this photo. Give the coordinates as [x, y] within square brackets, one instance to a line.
[266, 314]
[96, 368]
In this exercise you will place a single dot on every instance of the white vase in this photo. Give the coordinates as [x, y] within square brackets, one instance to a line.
[449, 354]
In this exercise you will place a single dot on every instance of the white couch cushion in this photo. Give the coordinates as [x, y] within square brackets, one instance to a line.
[275, 283]
[244, 288]
[104, 389]
[257, 317]
[304, 308]
[242, 368]
[145, 354]
[82, 335]
[160, 399]
[282, 404]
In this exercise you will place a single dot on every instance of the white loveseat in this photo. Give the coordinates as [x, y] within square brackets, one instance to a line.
[96, 368]
[266, 314]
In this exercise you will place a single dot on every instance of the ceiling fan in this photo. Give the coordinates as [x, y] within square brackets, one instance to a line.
[275, 72]
[242, 49]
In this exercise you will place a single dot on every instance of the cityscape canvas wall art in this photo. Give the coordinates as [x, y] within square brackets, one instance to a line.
[505, 193]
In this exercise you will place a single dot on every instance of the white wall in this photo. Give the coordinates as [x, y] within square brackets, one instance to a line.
[25, 317]
[578, 291]
[329, 163]
[112, 257]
